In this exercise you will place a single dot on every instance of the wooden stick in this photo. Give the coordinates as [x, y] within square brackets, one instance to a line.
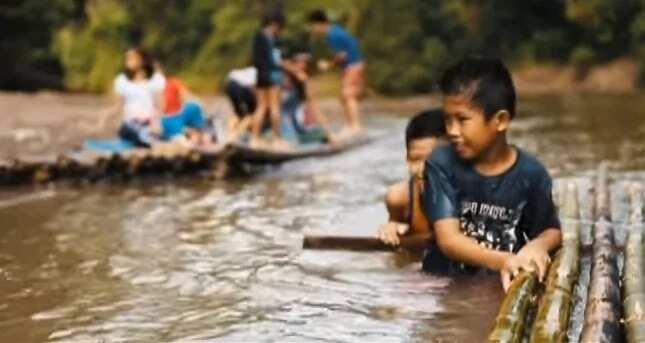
[362, 244]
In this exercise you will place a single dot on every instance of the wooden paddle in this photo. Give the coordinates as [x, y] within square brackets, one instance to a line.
[362, 244]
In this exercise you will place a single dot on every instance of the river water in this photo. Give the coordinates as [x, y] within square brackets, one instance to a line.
[220, 261]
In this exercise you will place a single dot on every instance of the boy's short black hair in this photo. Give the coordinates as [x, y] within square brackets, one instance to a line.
[274, 15]
[427, 124]
[317, 16]
[486, 81]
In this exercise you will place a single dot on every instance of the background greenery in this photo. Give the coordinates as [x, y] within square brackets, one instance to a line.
[78, 44]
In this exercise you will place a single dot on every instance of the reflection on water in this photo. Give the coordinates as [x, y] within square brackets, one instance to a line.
[221, 261]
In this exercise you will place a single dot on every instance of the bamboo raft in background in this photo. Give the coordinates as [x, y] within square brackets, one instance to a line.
[166, 159]
[633, 287]
[603, 311]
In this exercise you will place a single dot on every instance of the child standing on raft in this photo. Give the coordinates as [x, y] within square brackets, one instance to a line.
[267, 60]
[348, 56]
[490, 202]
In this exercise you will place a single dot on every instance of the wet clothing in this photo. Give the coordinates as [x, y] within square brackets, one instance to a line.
[501, 212]
[266, 57]
[341, 41]
[139, 97]
[172, 95]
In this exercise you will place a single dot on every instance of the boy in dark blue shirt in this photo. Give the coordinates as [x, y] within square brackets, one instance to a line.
[490, 202]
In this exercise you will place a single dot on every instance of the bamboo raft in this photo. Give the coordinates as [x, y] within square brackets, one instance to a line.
[91, 166]
[604, 308]
[633, 289]
[612, 313]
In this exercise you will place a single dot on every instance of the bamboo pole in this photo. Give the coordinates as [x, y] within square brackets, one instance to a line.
[604, 307]
[633, 287]
[509, 323]
[552, 318]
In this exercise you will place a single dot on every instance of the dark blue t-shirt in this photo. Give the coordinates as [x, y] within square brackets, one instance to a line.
[501, 212]
[341, 41]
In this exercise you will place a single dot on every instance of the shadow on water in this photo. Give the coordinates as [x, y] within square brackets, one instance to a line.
[221, 261]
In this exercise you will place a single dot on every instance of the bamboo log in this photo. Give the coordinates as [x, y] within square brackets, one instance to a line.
[509, 323]
[633, 287]
[552, 318]
[604, 306]
[363, 244]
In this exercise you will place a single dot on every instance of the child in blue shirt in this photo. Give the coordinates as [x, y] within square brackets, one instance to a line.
[348, 56]
[490, 202]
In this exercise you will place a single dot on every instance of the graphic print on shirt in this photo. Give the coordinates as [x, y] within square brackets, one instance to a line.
[493, 226]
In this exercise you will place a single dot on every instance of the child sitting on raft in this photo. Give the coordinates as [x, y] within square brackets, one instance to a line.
[183, 119]
[153, 109]
[139, 98]
[489, 202]
[403, 199]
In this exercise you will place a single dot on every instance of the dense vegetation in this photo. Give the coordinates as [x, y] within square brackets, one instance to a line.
[79, 43]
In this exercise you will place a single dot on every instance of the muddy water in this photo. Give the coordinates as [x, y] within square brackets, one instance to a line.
[198, 260]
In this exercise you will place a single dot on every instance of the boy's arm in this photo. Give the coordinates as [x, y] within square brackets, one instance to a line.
[537, 250]
[396, 203]
[457, 246]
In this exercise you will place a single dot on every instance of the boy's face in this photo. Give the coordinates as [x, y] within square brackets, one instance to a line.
[418, 152]
[468, 129]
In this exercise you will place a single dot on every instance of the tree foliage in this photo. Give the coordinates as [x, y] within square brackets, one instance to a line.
[406, 42]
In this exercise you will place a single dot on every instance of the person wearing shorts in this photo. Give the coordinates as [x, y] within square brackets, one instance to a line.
[267, 60]
[348, 56]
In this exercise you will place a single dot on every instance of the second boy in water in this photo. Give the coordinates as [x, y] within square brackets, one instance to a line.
[403, 199]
